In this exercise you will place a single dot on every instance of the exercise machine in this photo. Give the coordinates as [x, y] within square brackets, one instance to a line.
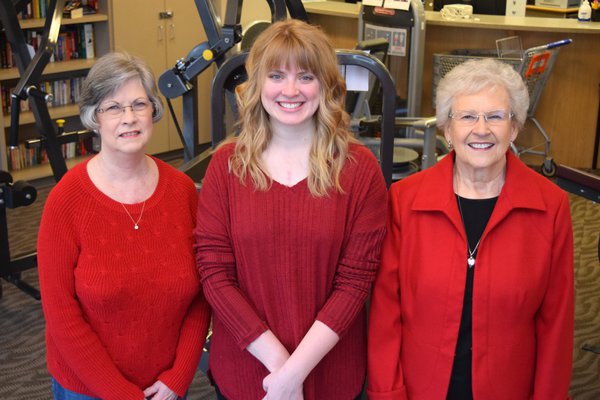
[21, 193]
[404, 30]
[181, 80]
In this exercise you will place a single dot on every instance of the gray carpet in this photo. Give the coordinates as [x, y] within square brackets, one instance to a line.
[22, 355]
[586, 365]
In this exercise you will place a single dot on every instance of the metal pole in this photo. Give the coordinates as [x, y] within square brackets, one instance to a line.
[416, 62]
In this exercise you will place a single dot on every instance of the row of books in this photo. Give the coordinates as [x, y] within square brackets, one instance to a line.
[21, 157]
[38, 8]
[73, 42]
[64, 91]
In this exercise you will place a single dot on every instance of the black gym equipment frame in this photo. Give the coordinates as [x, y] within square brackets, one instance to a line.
[20, 193]
[180, 80]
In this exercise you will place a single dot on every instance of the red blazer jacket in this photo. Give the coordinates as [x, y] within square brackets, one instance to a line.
[523, 300]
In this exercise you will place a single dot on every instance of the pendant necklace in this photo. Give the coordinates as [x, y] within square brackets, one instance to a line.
[471, 258]
[135, 223]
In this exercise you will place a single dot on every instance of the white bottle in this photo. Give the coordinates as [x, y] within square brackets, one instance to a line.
[585, 11]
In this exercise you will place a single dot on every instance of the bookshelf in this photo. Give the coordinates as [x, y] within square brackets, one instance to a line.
[86, 19]
[51, 68]
[67, 70]
[65, 111]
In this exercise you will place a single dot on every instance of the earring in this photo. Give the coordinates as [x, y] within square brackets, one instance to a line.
[449, 144]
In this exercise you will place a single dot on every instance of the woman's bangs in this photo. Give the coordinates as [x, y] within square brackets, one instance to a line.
[290, 53]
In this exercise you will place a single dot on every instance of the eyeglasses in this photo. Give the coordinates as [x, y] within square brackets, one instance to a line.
[115, 110]
[470, 118]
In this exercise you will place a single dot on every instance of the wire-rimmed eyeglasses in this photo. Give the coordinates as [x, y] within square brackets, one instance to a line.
[470, 118]
[116, 110]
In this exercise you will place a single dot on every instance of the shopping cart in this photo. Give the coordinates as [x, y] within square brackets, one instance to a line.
[534, 66]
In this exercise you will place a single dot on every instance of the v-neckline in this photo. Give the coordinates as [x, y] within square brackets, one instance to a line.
[286, 187]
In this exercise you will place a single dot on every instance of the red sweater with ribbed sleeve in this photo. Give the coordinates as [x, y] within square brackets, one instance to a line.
[280, 259]
[123, 307]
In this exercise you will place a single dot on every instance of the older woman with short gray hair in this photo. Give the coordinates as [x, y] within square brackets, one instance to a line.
[125, 314]
[474, 298]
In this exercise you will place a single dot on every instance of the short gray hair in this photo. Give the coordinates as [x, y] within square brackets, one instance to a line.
[106, 76]
[473, 76]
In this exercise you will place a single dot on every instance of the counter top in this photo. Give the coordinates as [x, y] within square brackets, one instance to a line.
[335, 8]
[570, 25]
[349, 10]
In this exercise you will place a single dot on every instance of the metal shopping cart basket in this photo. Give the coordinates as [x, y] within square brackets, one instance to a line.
[534, 67]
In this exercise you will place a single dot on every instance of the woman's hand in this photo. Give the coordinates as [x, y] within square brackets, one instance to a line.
[282, 385]
[160, 391]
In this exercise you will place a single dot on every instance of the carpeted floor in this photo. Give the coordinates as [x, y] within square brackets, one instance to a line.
[22, 354]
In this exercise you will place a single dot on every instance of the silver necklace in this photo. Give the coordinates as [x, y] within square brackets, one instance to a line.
[135, 223]
[471, 258]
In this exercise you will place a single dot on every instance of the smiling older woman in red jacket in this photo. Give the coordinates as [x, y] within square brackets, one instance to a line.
[474, 299]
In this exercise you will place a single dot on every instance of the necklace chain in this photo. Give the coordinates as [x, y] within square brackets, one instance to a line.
[135, 223]
[471, 258]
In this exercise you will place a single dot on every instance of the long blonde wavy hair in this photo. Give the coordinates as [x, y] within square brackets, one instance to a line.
[293, 43]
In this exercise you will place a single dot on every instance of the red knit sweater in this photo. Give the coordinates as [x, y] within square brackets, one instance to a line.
[123, 308]
[281, 258]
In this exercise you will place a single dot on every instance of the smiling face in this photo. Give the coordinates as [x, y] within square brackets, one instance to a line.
[290, 96]
[481, 147]
[128, 131]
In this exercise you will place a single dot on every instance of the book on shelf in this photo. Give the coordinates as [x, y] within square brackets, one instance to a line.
[7, 59]
[88, 35]
[27, 13]
[36, 9]
[64, 92]
[43, 8]
[73, 42]
[3, 53]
